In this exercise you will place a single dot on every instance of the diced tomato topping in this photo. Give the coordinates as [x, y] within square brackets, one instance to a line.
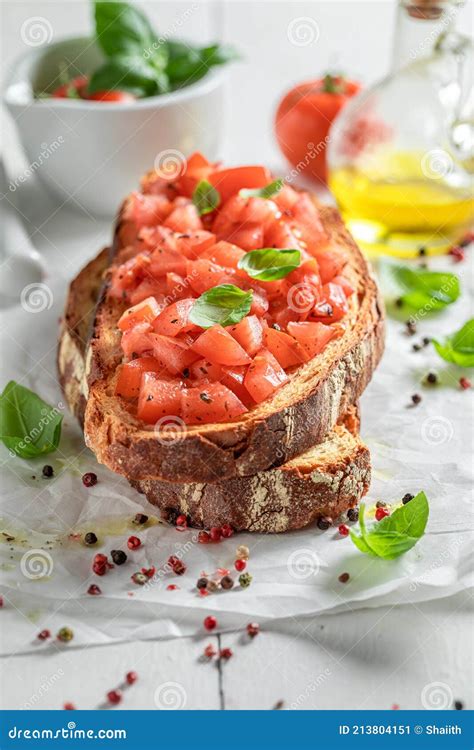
[203, 275]
[184, 219]
[264, 376]
[280, 234]
[212, 402]
[228, 216]
[225, 254]
[205, 370]
[333, 305]
[233, 378]
[197, 168]
[164, 261]
[130, 375]
[158, 237]
[259, 304]
[248, 236]
[249, 334]
[260, 211]
[230, 181]
[137, 341]
[149, 287]
[331, 263]
[193, 244]
[147, 210]
[344, 284]
[174, 354]
[144, 312]
[286, 198]
[284, 348]
[218, 346]
[174, 318]
[307, 218]
[313, 337]
[158, 398]
[129, 274]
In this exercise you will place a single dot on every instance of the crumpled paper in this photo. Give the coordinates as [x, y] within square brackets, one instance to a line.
[45, 572]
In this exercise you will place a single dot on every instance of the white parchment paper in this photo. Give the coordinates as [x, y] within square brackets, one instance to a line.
[45, 574]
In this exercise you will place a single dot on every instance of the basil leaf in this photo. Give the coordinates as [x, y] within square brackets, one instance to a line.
[188, 64]
[424, 290]
[122, 29]
[459, 347]
[266, 192]
[28, 425]
[205, 197]
[128, 74]
[394, 534]
[225, 304]
[270, 264]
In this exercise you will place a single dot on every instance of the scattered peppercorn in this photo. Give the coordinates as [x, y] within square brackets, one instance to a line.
[203, 592]
[177, 566]
[227, 582]
[353, 514]
[133, 542]
[457, 253]
[172, 587]
[89, 479]
[426, 341]
[100, 564]
[422, 251]
[245, 579]
[48, 471]
[210, 651]
[242, 552]
[215, 534]
[90, 538]
[324, 523]
[416, 398]
[131, 677]
[118, 556]
[43, 635]
[212, 587]
[381, 513]
[210, 622]
[464, 383]
[416, 347]
[225, 653]
[114, 697]
[253, 629]
[240, 565]
[182, 521]
[458, 705]
[69, 707]
[410, 326]
[94, 590]
[149, 572]
[380, 504]
[201, 583]
[344, 577]
[343, 529]
[140, 519]
[227, 530]
[204, 537]
[65, 635]
[406, 498]
[139, 578]
[278, 705]
[431, 378]
[399, 302]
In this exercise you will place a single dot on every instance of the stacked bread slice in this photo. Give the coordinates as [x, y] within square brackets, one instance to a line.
[289, 461]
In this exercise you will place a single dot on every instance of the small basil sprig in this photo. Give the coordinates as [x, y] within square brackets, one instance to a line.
[395, 534]
[420, 289]
[459, 347]
[270, 264]
[266, 192]
[225, 305]
[29, 426]
[206, 198]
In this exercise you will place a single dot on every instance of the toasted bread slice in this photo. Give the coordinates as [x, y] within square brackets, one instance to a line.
[325, 481]
[299, 415]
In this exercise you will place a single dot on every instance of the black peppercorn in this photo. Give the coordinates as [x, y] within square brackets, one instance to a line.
[227, 582]
[432, 378]
[380, 504]
[90, 538]
[422, 251]
[140, 519]
[458, 705]
[410, 325]
[399, 302]
[324, 523]
[416, 347]
[353, 514]
[48, 471]
[426, 340]
[89, 479]
[201, 583]
[416, 398]
[406, 498]
[118, 556]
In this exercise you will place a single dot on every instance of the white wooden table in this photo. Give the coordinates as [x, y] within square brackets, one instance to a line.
[372, 658]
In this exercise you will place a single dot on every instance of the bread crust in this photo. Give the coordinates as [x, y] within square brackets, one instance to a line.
[296, 418]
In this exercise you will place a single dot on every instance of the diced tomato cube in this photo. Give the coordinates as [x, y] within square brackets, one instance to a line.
[147, 210]
[230, 181]
[259, 304]
[184, 219]
[280, 234]
[248, 333]
[228, 216]
[313, 337]
[331, 262]
[137, 341]
[158, 237]
[174, 354]
[174, 318]
[233, 378]
[129, 274]
[333, 304]
[284, 348]
[158, 398]
[344, 284]
[205, 370]
[164, 261]
[130, 375]
[149, 287]
[307, 218]
[264, 376]
[260, 211]
[193, 244]
[225, 254]
[218, 346]
[212, 402]
[144, 312]
[248, 236]
[197, 168]
[203, 275]
[286, 198]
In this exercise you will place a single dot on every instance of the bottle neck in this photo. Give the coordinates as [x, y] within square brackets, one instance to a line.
[419, 23]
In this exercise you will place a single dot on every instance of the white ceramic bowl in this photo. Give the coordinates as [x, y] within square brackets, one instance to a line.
[96, 151]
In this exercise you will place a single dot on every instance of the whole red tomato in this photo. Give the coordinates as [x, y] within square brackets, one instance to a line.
[305, 115]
